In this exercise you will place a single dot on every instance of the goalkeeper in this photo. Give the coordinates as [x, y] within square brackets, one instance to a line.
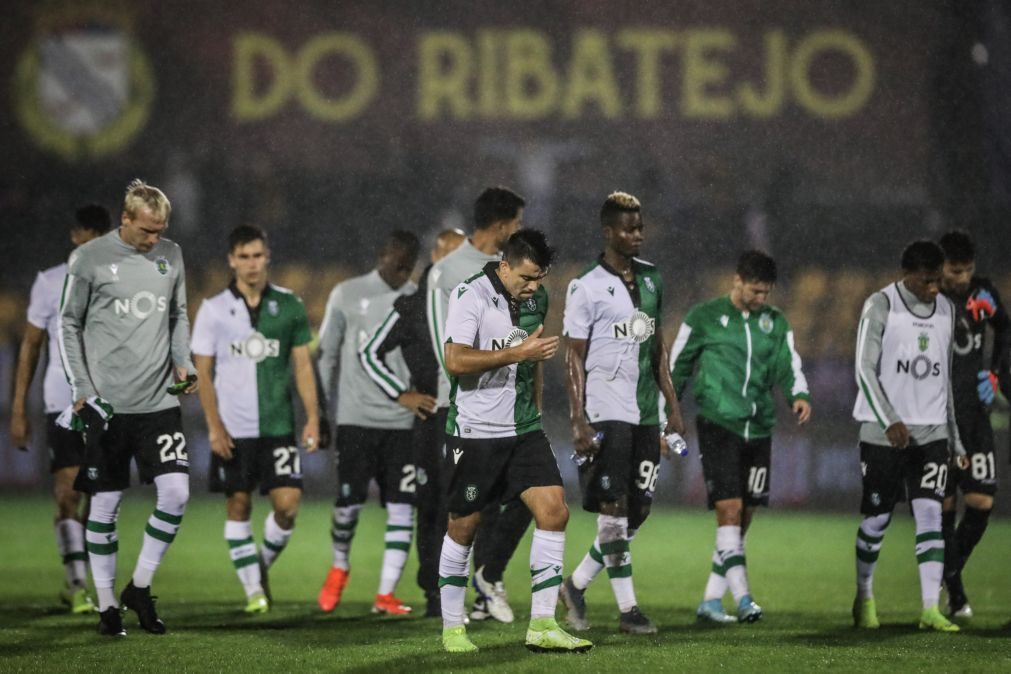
[974, 383]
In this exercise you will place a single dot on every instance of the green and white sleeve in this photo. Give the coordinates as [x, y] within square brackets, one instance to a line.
[371, 356]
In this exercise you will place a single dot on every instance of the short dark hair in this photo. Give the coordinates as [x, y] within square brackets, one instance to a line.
[244, 234]
[616, 205]
[957, 246]
[922, 255]
[93, 217]
[403, 240]
[495, 204]
[755, 266]
[529, 244]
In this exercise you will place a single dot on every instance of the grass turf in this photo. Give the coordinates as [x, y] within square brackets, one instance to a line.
[801, 569]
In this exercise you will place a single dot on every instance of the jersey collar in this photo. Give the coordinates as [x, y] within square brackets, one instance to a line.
[254, 312]
[632, 287]
[491, 271]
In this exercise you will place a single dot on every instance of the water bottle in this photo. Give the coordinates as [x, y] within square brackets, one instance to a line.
[580, 459]
[675, 443]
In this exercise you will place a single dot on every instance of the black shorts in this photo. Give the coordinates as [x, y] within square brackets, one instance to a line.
[66, 447]
[980, 477]
[154, 440]
[364, 454]
[891, 475]
[267, 462]
[428, 449]
[480, 471]
[734, 467]
[626, 466]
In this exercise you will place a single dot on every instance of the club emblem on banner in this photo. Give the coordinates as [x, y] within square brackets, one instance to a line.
[83, 88]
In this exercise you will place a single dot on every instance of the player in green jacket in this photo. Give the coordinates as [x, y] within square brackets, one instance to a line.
[742, 346]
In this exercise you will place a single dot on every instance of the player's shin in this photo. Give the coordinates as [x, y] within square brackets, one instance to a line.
[70, 543]
[716, 585]
[730, 548]
[453, 573]
[870, 537]
[587, 569]
[275, 539]
[342, 532]
[103, 544]
[970, 531]
[546, 553]
[399, 530]
[173, 491]
[242, 550]
[929, 549]
[612, 532]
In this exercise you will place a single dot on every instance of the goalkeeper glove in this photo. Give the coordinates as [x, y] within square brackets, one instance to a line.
[987, 386]
[981, 305]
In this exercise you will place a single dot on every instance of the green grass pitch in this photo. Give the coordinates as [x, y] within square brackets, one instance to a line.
[801, 569]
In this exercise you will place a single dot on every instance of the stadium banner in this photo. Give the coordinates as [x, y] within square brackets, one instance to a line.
[695, 89]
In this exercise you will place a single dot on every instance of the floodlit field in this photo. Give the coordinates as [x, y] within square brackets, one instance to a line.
[801, 568]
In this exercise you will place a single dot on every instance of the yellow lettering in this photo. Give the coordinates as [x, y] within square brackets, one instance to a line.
[445, 66]
[701, 73]
[769, 102]
[648, 46]
[531, 84]
[488, 48]
[844, 43]
[249, 49]
[591, 77]
[366, 77]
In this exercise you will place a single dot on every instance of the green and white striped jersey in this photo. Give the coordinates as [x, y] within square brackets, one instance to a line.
[123, 323]
[619, 324]
[252, 357]
[354, 311]
[499, 403]
[444, 276]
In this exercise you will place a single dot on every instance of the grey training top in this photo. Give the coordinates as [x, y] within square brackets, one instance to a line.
[354, 310]
[123, 323]
[875, 312]
[445, 275]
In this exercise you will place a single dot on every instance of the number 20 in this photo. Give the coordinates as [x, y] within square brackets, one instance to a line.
[407, 482]
[935, 476]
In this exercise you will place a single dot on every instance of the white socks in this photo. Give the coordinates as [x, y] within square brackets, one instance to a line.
[173, 491]
[70, 543]
[730, 548]
[546, 553]
[454, 566]
[399, 530]
[612, 532]
[242, 550]
[342, 531]
[103, 545]
[929, 549]
[870, 537]
[274, 540]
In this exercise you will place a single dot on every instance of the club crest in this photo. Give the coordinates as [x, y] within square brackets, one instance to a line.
[83, 88]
